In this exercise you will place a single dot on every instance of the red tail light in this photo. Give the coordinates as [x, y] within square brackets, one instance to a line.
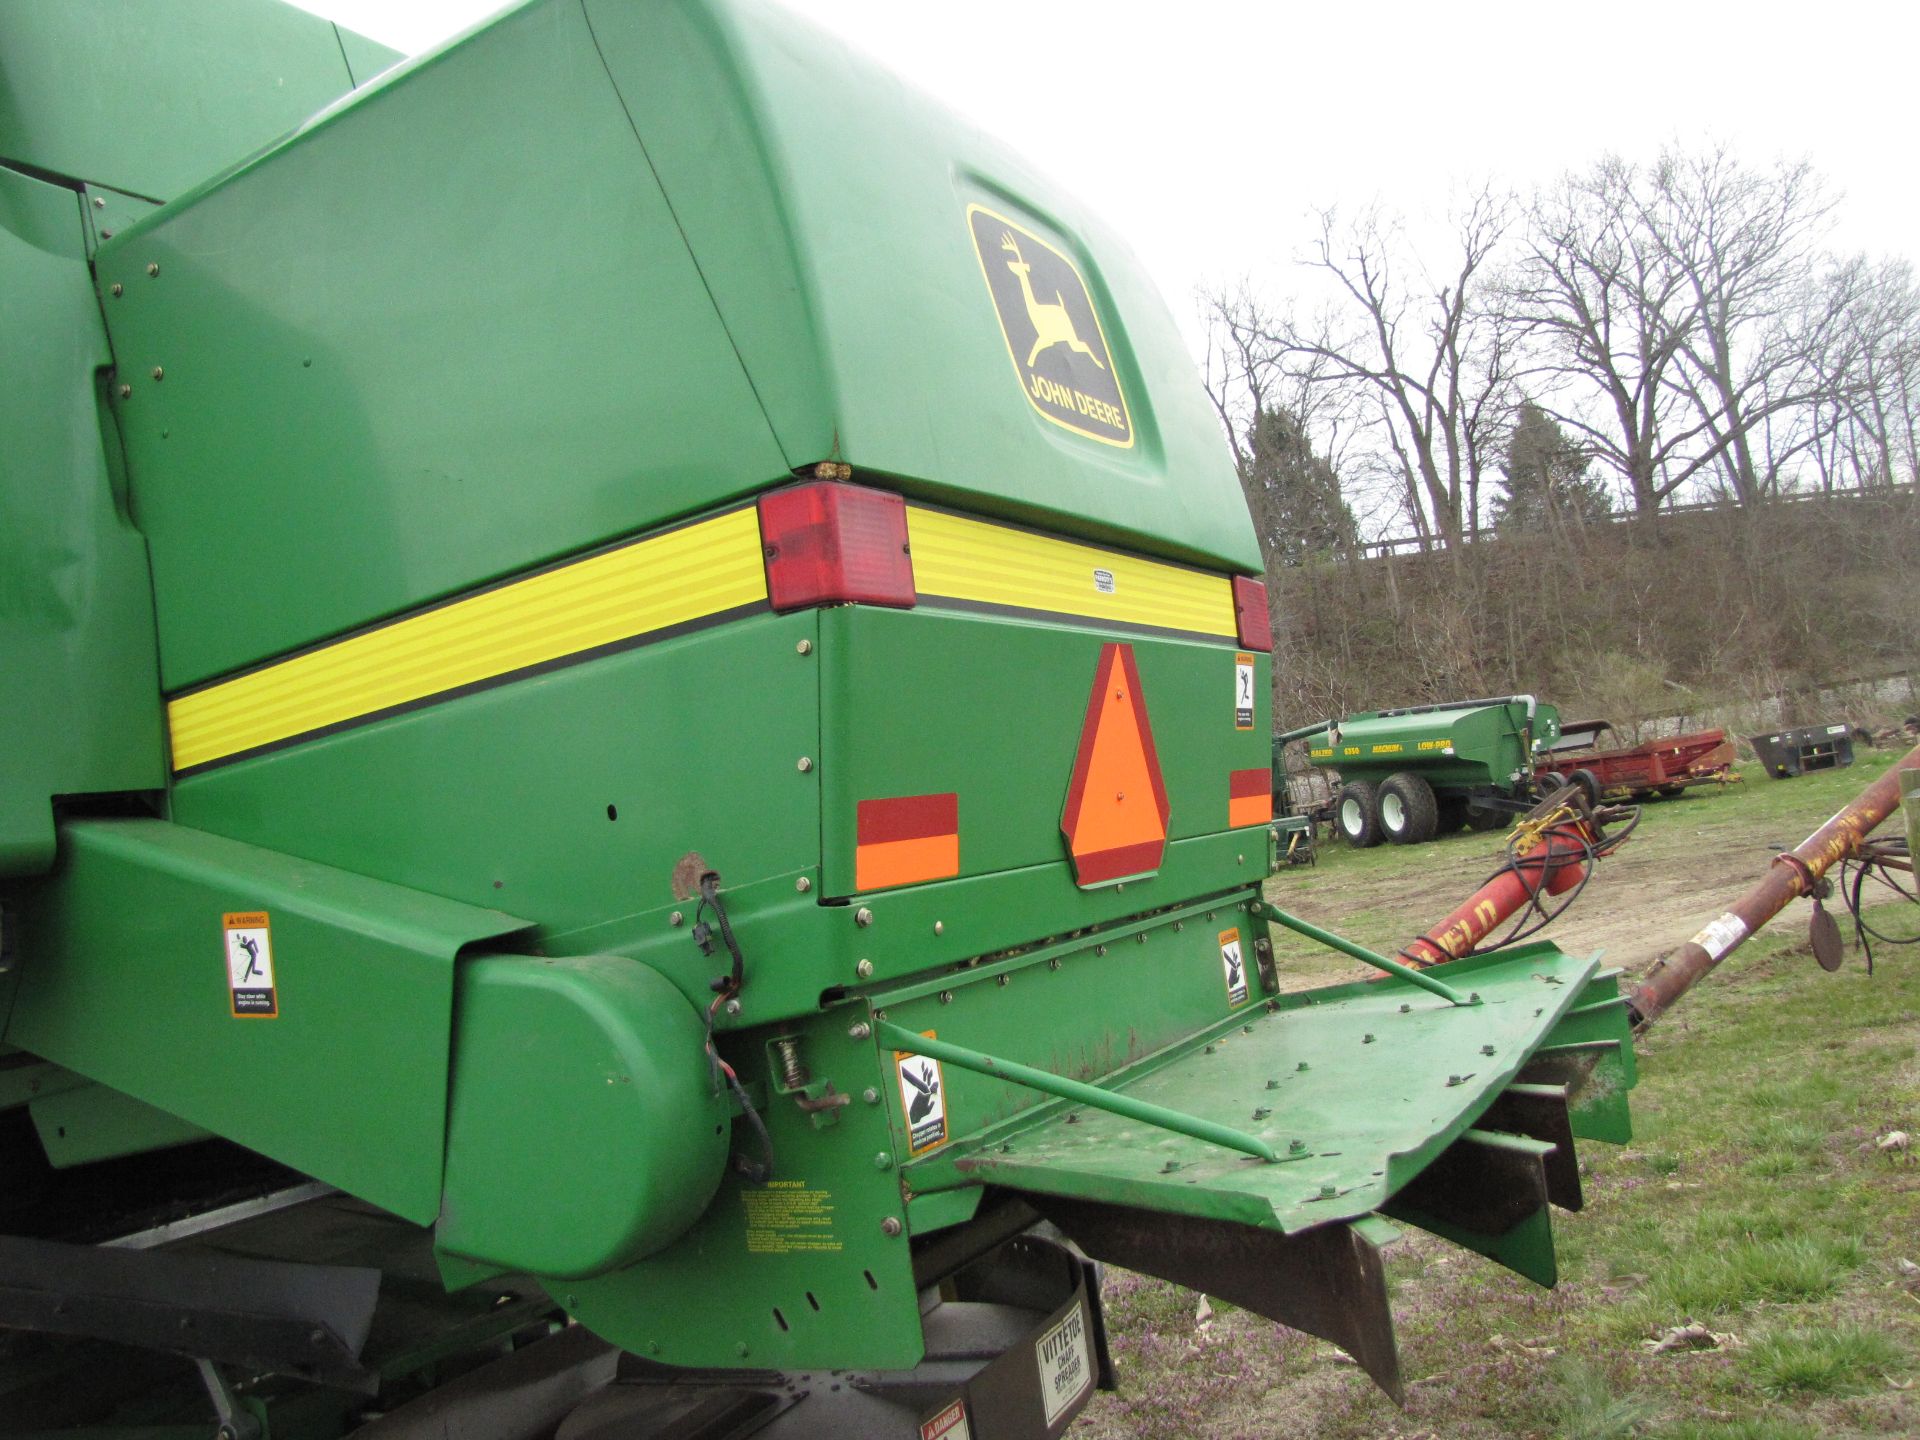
[829, 543]
[1250, 614]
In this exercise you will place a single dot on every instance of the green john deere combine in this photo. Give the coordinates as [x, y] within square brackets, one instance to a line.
[636, 692]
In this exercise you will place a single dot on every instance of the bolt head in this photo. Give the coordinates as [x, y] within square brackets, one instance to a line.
[1099, 949]
[158, 373]
[118, 289]
[806, 764]
[946, 997]
[890, 1226]
[939, 927]
[805, 647]
[803, 884]
[859, 1030]
[99, 203]
[126, 391]
[153, 270]
[870, 1095]
[883, 1161]
[733, 1007]
[676, 918]
[864, 969]
[863, 916]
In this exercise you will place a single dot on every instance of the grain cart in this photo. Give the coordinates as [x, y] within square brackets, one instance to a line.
[1410, 774]
[637, 694]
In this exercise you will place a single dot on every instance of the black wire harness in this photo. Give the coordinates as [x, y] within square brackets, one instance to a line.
[1561, 844]
[726, 987]
[1854, 875]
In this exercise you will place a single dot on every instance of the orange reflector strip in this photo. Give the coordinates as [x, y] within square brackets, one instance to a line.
[1116, 814]
[1249, 798]
[906, 840]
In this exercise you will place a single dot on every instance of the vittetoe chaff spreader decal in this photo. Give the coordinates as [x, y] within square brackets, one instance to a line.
[1052, 329]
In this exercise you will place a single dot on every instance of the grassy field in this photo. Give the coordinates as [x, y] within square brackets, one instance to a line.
[1753, 1201]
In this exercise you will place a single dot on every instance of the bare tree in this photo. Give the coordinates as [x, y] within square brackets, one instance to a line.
[1607, 313]
[1745, 245]
[1869, 373]
[1432, 364]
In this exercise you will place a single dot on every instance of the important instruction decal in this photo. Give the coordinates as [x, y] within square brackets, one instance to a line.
[1066, 1366]
[923, 1099]
[250, 985]
[1235, 967]
[1243, 692]
[785, 1217]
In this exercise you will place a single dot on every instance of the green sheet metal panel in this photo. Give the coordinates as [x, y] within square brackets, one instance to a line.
[800, 1273]
[827, 205]
[1354, 1118]
[76, 609]
[570, 796]
[446, 331]
[347, 1081]
[153, 98]
[990, 710]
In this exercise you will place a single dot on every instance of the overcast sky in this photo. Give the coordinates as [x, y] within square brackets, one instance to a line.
[1208, 132]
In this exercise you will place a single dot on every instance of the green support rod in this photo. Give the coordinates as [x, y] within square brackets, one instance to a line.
[1045, 1080]
[1363, 955]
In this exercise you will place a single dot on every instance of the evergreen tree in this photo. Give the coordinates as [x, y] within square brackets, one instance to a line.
[1545, 484]
[1294, 494]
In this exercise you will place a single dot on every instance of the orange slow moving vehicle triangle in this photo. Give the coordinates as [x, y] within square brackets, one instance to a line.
[1116, 814]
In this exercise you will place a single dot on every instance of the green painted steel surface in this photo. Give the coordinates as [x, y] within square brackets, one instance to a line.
[1482, 745]
[92, 1122]
[155, 97]
[458, 351]
[991, 710]
[76, 611]
[840, 258]
[568, 797]
[127, 982]
[586, 1129]
[1355, 1119]
[673, 342]
[796, 1273]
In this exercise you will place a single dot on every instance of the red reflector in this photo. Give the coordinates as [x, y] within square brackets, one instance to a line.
[829, 544]
[1250, 613]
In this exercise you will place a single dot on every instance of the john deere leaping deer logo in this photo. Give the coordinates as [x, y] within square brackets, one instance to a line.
[1053, 332]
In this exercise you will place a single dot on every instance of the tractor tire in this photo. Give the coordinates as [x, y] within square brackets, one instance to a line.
[1589, 784]
[1450, 813]
[1356, 813]
[1408, 813]
[1481, 819]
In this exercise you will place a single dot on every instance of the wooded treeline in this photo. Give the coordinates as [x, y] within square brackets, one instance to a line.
[1592, 440]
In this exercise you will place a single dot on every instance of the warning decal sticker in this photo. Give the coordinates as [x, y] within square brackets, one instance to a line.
[1066, 1367]
[250, 964]
[1243, 692]
[1052, 331]
[1234, 966]
[923, 1099]
[949, 1424]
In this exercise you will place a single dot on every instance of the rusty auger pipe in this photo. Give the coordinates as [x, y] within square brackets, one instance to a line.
[1789, 876]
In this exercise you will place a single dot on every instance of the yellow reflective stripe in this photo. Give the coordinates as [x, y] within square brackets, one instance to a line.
[671, 579]
[987, 564]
